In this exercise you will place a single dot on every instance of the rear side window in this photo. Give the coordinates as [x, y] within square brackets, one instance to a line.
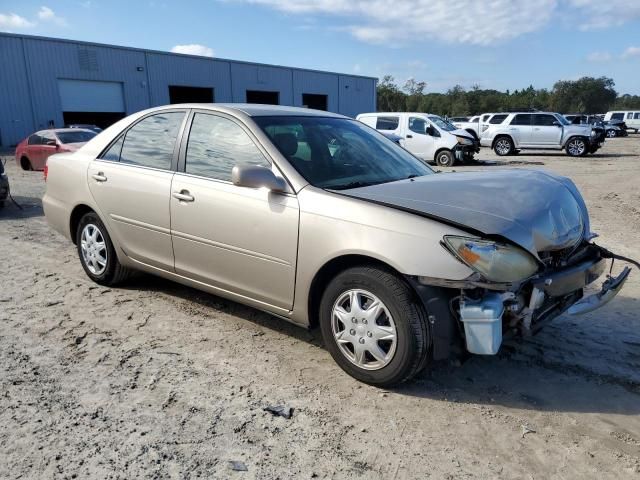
[217, 144]
[521, 119]
[387, 123]
[629, 115]
[636, 116]
[498, 119]
[150, 142]
[546, 120]
[617, 116]
[35, 139]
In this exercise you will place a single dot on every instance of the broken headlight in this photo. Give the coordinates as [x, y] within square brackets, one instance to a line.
[497, 262]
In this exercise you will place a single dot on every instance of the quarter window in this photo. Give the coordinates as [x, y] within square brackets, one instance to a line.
[636, 116]
[150, 142]
[629, 115]
[113, 154]
[545, 120]
[387, 123]
[521, 119]
[216, 145]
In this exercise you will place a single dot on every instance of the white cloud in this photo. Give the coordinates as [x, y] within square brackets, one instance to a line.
[11, 21]
[598, 14]
[193, 49]
[45, 14]
[599, 57]
[631, 52]
[463, 21]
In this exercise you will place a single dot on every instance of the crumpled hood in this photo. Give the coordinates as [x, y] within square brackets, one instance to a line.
[537, 210]
[462, 133]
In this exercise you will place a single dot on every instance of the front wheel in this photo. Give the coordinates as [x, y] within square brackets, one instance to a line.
[374, 327]
[445, 159]
[577, 147]
[611, 134]
[96, 252]
[503, 146]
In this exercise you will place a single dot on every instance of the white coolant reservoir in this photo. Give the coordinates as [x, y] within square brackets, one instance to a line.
[483, 323]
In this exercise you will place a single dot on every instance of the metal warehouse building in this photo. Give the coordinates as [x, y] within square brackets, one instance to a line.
[47, 82]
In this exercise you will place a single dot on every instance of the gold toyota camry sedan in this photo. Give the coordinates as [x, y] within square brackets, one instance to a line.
[320, 220]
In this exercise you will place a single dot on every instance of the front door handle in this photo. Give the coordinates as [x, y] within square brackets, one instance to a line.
[99, 177]
[183, 196]
[409, 136]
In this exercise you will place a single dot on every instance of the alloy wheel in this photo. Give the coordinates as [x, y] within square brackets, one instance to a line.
[364, 329]
[503, 146]
[94, 249]
[577, 147]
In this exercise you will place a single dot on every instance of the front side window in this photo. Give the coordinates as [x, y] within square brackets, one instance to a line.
[338, 153]
[485, 118]
[151, 141]
[417, 125]
[617, 116]
[47, 138]
[498, 119]
[216, 145]
[521, 119]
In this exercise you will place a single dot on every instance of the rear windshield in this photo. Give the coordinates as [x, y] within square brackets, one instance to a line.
[75, 137]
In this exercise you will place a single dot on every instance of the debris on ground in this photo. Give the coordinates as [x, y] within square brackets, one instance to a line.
[279, 410]
[238, 466]
[526, 429]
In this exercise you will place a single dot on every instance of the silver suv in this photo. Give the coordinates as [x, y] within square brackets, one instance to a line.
[540, 130]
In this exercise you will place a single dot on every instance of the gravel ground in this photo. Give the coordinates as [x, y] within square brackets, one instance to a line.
[155, 380]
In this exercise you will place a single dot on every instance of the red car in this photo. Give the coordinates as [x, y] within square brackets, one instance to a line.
[33, 151]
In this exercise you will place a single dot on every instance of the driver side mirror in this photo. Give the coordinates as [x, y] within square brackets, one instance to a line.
[431, 131]
[254, 176]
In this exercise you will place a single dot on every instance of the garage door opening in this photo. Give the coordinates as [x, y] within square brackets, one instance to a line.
[182, 94]
[315, 101]
[91, 102]
[259, 96]
[100, 119]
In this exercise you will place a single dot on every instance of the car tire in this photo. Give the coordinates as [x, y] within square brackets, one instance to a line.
[503, 146]
[401, 352]
[611, 134]
[445, 158]
[26, 165]
[577, 147]
[97, 254]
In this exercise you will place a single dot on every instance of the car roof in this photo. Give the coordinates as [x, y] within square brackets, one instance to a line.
[63, 130]
[258, 110]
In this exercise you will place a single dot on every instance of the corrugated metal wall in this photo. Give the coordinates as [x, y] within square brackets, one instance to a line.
[31, 67]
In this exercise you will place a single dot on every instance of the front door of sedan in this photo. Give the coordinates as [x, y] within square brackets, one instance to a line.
[238, 239]
[131, 185]
[416, 139]
[546, 130]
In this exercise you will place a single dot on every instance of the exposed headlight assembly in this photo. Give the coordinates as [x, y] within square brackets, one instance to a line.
[464, 140]
[497, 262]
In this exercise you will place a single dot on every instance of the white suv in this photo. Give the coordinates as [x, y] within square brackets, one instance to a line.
[540, 131]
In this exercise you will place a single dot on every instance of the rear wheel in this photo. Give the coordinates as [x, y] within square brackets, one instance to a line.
[503, 146]
[445, 158]
[577, 147]
[96, 252]
[25, 163]
[611, 134]
[374, 327]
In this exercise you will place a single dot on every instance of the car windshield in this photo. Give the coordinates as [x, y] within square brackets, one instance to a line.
[562, 120]
[442, 123]
[338, 153]
[75, 137]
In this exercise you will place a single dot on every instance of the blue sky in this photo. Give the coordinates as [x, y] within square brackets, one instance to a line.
[501, 44]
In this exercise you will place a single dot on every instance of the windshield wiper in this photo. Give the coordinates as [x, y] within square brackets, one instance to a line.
[349, 185]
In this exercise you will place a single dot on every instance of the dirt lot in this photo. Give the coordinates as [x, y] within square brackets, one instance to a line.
[156, 380]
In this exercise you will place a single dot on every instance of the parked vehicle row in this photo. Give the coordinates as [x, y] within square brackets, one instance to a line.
[32, 153]
[429, 137]
[630, 118]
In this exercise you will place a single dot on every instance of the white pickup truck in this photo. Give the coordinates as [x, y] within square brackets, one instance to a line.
[425, 135]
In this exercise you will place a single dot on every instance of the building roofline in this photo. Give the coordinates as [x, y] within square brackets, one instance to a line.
[161, 52]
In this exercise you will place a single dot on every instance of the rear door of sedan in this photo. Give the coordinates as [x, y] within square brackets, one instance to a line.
[238, 239]
[131, 184]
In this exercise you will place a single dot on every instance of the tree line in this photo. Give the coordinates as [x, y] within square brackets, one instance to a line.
[585, 95]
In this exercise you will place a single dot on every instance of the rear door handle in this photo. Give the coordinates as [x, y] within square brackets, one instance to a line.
[99, 177]
[183, 196]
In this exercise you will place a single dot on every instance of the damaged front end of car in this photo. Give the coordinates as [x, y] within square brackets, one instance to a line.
[494, 304]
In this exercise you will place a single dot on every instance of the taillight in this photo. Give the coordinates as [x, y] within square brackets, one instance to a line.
[46, 171]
